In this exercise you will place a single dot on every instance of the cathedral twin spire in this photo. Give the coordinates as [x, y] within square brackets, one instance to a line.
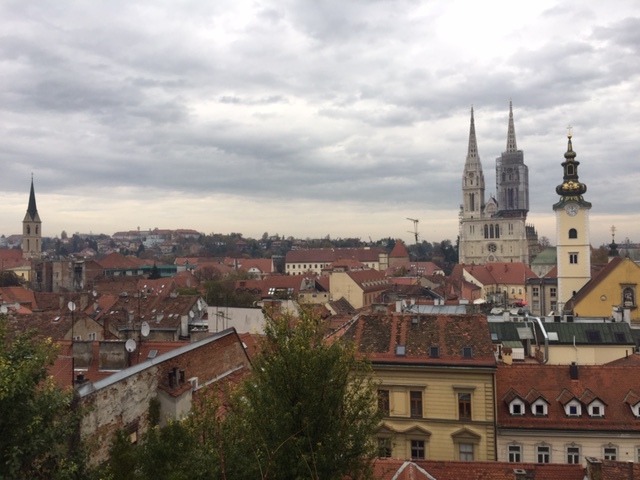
[512, 147]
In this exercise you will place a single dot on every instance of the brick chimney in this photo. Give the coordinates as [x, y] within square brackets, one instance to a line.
[594, 468]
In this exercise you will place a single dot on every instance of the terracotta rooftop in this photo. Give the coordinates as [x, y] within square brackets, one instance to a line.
[399, 250]
[460, 339]
[512, 273]
[610, 384]
[393, 469]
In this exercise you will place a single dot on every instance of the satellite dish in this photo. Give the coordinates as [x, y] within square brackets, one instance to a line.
[145, 329]
[130, 346]
[191, 314]
[94, 293]
[71, 306]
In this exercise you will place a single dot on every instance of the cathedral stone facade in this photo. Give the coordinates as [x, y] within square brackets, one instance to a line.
[495, 230]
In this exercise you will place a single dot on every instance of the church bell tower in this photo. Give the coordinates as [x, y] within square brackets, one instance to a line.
[572, 230]
[31, 229]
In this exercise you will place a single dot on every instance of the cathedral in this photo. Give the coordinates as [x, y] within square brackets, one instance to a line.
[495, 230]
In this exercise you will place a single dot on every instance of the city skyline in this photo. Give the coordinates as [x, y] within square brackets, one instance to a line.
[309, 119]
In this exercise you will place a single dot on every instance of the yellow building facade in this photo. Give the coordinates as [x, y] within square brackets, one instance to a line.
[613, 291]
[435, 377]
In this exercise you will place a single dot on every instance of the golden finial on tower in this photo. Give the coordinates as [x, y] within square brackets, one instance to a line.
[569, 127]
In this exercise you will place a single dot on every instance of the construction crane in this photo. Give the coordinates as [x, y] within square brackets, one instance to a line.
[415, 228]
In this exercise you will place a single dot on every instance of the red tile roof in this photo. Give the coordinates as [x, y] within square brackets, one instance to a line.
[610, 384]
[393, 469]
[399, 250]
[18, 295]
[377, 335]
[512, 273]
[12, 258]
[117, 260]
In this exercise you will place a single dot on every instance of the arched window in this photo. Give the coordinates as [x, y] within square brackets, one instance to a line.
[573, 233]
[491, 231]
[28, 230]
[486, 231]
[36, 229]
[570, 170]
[497, 231]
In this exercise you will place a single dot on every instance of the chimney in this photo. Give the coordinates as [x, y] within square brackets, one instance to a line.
[594, 468]
[573, 371]
[519, 474]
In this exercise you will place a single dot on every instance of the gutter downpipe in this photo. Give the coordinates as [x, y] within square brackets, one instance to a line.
[546, 339]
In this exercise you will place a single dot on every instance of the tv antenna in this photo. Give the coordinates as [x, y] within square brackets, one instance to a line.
[72, 308]
[415, 228]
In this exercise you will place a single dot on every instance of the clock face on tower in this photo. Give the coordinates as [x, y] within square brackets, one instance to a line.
[571, 209]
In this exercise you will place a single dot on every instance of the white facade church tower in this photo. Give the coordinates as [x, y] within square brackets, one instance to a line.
[572, 231]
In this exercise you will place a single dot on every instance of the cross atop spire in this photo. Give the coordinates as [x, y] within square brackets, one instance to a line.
[473, 144]
[511, 133]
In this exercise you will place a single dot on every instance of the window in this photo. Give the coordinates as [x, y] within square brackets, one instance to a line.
[434, 351]
[637, 454]
[467, 352]
[573, 410]
[573, 257]
[573, 454]
[552, 291]
[91, 336]
[536, 291]
[596, 410]
[464, 406]
[515, 453]
[543, 453]
[610, 453]
[417, 449]
[415, 399]
[573, 233]
[384, 447]
[465, 451]
[539, 409]
[516, 408]
[383, 402]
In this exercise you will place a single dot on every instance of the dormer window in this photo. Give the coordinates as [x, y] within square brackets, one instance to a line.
[596, 411]
[573, 409]
[466, 352]
[516, 407]
[539, 408]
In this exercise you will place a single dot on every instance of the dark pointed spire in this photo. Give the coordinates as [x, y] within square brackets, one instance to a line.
[473, 144]
[32, 210]
[511, 133]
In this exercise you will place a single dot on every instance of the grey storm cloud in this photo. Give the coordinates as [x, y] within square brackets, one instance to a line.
[331, 103]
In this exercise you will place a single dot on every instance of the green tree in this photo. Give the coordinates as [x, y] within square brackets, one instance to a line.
[307, 411]
[39, 424]
[9, 278]
[155, 273]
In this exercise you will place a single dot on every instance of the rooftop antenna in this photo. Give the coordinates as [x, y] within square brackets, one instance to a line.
[415, 228]
[72, 307]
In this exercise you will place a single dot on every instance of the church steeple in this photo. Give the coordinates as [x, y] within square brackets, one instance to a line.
[512, 147]
[31, 229]
[472, 152]
[472, 178]
[32, 210]
[571, 189]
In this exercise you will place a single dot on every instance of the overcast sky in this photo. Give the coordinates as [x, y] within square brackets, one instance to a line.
[311, 118]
